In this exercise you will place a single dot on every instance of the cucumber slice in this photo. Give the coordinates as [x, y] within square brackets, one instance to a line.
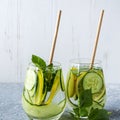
[97, 105]
[27, 96]
[73, 105]
[30, 80]
[43, 112]
[32, 92]
[93, 81]
[100, 95]
[62, 81]
[62, 103]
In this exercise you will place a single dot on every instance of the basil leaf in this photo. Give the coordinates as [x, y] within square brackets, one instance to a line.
[39, 62]
[98, 114]
[85, 98]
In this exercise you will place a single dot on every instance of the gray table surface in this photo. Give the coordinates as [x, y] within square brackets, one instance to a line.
[11, 108]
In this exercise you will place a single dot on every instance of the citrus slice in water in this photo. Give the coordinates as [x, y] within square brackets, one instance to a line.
[71, 85]
[54, 88]
[71, 81]
[38, 97]
[79, 83]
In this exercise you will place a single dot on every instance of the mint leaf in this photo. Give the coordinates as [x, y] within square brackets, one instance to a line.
[49, 75]
[85, 98]
[98, 114]
[84, 108]
[50, 66]
[80, 112]
[73, 116]
[85, 101]
[39, 62]
[77, 111]
[83, 112]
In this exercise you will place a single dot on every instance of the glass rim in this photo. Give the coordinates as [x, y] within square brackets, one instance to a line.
[84, 61]
[55, 64]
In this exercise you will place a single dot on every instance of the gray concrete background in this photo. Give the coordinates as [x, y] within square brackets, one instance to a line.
[11, 108]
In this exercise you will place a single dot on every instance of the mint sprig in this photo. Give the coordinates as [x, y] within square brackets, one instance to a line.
[39, 62]
[85, 98]
[98, 114]
[84, 103]
[48, 70]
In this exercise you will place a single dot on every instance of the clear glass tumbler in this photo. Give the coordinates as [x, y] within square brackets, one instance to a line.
[43, 96]
[80, 78]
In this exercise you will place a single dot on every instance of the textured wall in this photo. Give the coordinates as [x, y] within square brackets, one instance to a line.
[27, 27]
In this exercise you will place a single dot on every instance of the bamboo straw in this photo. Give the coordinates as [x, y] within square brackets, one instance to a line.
[55, 37]
[96, 39]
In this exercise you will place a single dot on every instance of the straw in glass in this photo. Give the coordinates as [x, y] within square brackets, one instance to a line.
[55, 37]
[96, 39]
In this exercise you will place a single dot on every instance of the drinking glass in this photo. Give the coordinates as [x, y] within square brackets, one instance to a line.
[43, 96]
[80, 78]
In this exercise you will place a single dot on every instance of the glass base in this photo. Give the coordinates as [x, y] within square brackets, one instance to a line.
[51, 118]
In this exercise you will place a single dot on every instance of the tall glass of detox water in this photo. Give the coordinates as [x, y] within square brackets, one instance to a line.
[83, 80]
[43, 95]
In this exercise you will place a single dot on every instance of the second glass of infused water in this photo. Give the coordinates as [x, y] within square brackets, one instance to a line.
[80, 78]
